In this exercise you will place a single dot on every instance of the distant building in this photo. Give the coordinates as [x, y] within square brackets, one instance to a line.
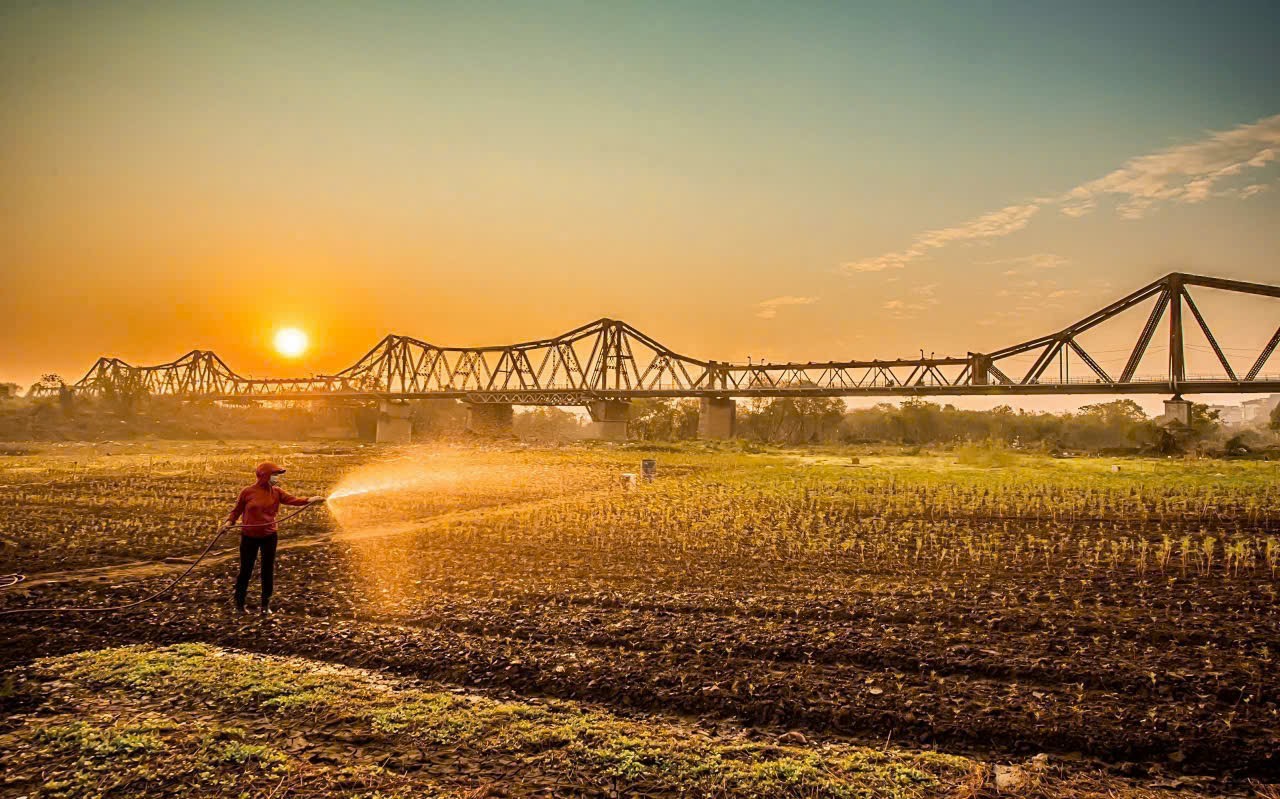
[1259, 410]
[1229, 414]
[1251, 412]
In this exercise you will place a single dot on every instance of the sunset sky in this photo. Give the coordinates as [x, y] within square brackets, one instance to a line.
[786, 180]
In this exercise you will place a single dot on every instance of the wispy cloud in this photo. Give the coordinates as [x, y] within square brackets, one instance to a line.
[768, 309]
[924, 299]
[1021, 263]
[988, 226]
[1186, 173]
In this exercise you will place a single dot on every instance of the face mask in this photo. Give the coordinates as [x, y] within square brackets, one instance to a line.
[273, 480]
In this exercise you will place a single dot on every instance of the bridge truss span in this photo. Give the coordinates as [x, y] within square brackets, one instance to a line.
[611, 360]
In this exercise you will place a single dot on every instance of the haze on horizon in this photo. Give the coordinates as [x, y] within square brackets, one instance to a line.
[789, 181]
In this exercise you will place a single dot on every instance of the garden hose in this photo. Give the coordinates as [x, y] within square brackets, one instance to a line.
[17, 578]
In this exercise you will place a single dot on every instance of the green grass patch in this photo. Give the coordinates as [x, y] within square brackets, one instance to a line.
[560, 737]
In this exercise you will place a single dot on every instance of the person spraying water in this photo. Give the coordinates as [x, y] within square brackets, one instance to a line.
[258, 504]
[255, 514]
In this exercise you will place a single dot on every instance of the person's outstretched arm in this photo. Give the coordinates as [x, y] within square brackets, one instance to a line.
[290, 499]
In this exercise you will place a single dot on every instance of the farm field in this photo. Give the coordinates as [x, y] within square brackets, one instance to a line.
[1075, 627]
[93, 505]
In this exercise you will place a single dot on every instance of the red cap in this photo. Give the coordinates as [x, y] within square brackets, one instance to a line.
[266, 469]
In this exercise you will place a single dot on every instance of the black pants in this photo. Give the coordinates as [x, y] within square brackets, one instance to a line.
[249, 547]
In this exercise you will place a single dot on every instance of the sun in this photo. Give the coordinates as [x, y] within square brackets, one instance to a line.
[291, 342]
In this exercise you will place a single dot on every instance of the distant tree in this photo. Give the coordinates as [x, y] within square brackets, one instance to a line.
[435, 418]
[1204, 421]
[48, 385]
[10, 391]
[1275, 418]
[920, 421]
[1168, 439]
[1002, 423]
[1115, 424]
[52, 385]
[663, 419]
[792, 420]
[1241, 443]
[547, 424]
[1117, 411]
[869, 424]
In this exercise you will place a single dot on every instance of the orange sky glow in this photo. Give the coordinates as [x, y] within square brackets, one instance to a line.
[764, 185]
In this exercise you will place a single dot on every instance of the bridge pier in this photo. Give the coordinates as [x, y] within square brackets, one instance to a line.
[394, 426]
[490, 418]
[1176, 411]
[609, 419]
[717, 418]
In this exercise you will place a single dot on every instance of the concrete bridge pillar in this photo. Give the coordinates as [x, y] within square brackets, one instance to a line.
[717, 418]
[394, 426]
[609, 419]
[490, 418]
[1176, 411]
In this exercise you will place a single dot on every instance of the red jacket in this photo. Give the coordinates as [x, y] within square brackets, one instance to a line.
[260, 502]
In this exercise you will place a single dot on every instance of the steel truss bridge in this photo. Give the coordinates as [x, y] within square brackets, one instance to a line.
[611, 360]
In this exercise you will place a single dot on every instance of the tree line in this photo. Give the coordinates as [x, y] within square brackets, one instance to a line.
[1118, 424]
